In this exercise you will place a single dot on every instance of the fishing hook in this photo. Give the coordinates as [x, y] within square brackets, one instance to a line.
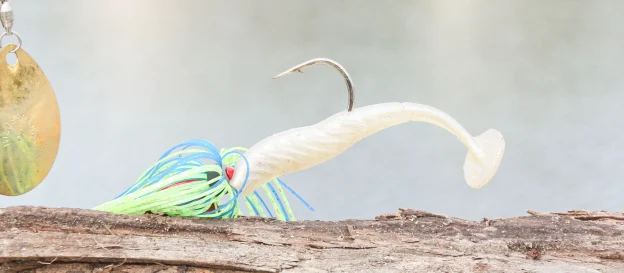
[334, 64]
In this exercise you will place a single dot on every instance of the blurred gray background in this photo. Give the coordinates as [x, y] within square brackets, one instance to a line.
[135, 77]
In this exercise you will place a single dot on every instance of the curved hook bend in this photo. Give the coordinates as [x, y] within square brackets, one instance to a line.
[334, 64]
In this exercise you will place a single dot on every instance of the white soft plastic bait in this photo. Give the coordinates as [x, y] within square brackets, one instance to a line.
[304, 147]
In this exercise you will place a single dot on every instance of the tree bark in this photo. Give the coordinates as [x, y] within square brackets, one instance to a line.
[36, 239]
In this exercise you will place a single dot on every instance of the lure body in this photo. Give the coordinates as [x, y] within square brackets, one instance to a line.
[304, 147]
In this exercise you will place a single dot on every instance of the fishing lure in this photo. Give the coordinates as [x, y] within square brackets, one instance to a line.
[30, 125]
[181, 184]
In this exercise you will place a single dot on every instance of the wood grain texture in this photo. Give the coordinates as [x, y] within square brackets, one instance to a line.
[36, 239]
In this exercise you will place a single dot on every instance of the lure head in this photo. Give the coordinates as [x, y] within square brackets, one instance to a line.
[238, 178]
[479, 171]
[229, 172]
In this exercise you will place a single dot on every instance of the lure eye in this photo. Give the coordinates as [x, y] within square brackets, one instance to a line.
[229, 172]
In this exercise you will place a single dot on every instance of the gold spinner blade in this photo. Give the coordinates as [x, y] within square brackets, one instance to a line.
[30, 125]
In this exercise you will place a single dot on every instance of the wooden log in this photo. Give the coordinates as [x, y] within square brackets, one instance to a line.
[37, 239]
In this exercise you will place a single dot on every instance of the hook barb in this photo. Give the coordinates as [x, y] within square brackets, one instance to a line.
[332, 63]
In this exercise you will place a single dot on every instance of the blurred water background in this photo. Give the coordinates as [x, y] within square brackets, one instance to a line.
[135, 77]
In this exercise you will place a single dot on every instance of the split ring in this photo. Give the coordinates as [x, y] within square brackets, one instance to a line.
[19, 41]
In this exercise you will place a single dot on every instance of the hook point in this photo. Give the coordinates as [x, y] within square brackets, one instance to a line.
[290, 71]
